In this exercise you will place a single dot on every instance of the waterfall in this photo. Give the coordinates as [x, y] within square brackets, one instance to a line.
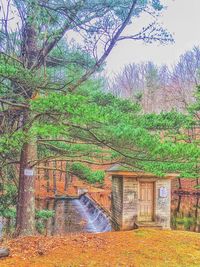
[72, 216]
[96, 219]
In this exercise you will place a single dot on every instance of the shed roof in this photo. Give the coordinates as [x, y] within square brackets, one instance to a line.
[123, 170]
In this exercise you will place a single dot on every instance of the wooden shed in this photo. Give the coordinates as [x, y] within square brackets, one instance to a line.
[139, 199]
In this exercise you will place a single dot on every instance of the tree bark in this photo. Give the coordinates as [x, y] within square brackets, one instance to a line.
[179, 183]
[46, 171]
[61, 167]
[54, 177]
[25, 221]
[26, 193]
[67, 176]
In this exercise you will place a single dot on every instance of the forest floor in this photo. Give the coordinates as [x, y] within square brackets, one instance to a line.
[140, 248]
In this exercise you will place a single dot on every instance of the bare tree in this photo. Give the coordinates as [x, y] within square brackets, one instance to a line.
[160, 88]
[129, 83]
[184, 79]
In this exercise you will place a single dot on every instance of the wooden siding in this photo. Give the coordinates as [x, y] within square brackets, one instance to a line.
[117, 201]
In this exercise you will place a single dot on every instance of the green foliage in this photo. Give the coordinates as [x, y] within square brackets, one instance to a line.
[42, 217]
[14, 71]
[187, 222]
[167, 120]
[88, 125]
[40, 227]
[93, 122]
[11, 142]
[8, 213]
[44, 214]
[85, 173]
[8, 201]
[110, 122]
[195, 107]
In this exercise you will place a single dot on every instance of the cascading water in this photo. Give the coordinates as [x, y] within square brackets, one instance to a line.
[96, 220]
[72, 216]
[75, 215]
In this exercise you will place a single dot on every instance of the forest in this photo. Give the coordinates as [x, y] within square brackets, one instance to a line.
[64, 124]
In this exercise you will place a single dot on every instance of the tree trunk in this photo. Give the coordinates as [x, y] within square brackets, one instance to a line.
[54, 177]
[179, 183]
[46, 171]
[61, 168]
[26, 193]
[196, 215]
[8, 223]
[197, 182]
[67, 177]
[177, 210]
[25, 221]
[66, 185]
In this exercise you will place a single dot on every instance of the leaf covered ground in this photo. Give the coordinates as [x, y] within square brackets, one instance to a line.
[145, 247]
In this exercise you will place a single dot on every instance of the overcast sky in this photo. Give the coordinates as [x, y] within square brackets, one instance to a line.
[181, 18]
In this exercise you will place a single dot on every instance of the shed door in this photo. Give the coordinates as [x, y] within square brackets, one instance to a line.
[146, 201]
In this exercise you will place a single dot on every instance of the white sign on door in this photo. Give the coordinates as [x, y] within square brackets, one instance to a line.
[28, 172]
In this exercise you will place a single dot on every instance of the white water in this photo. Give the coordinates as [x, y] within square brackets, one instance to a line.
[96, 220]
[73, 215]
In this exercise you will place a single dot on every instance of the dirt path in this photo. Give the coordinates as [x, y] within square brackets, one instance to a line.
[145, 248]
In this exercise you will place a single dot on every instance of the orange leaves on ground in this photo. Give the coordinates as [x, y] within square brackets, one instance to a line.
[134, 248]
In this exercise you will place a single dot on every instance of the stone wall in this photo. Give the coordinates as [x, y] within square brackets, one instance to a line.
[130, 203]
[163, 203]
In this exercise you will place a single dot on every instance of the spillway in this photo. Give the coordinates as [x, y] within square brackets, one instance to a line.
[75, 215]
[96, 219]
[72, 216]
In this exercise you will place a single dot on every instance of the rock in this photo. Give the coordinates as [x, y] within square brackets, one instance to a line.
[4, 252]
